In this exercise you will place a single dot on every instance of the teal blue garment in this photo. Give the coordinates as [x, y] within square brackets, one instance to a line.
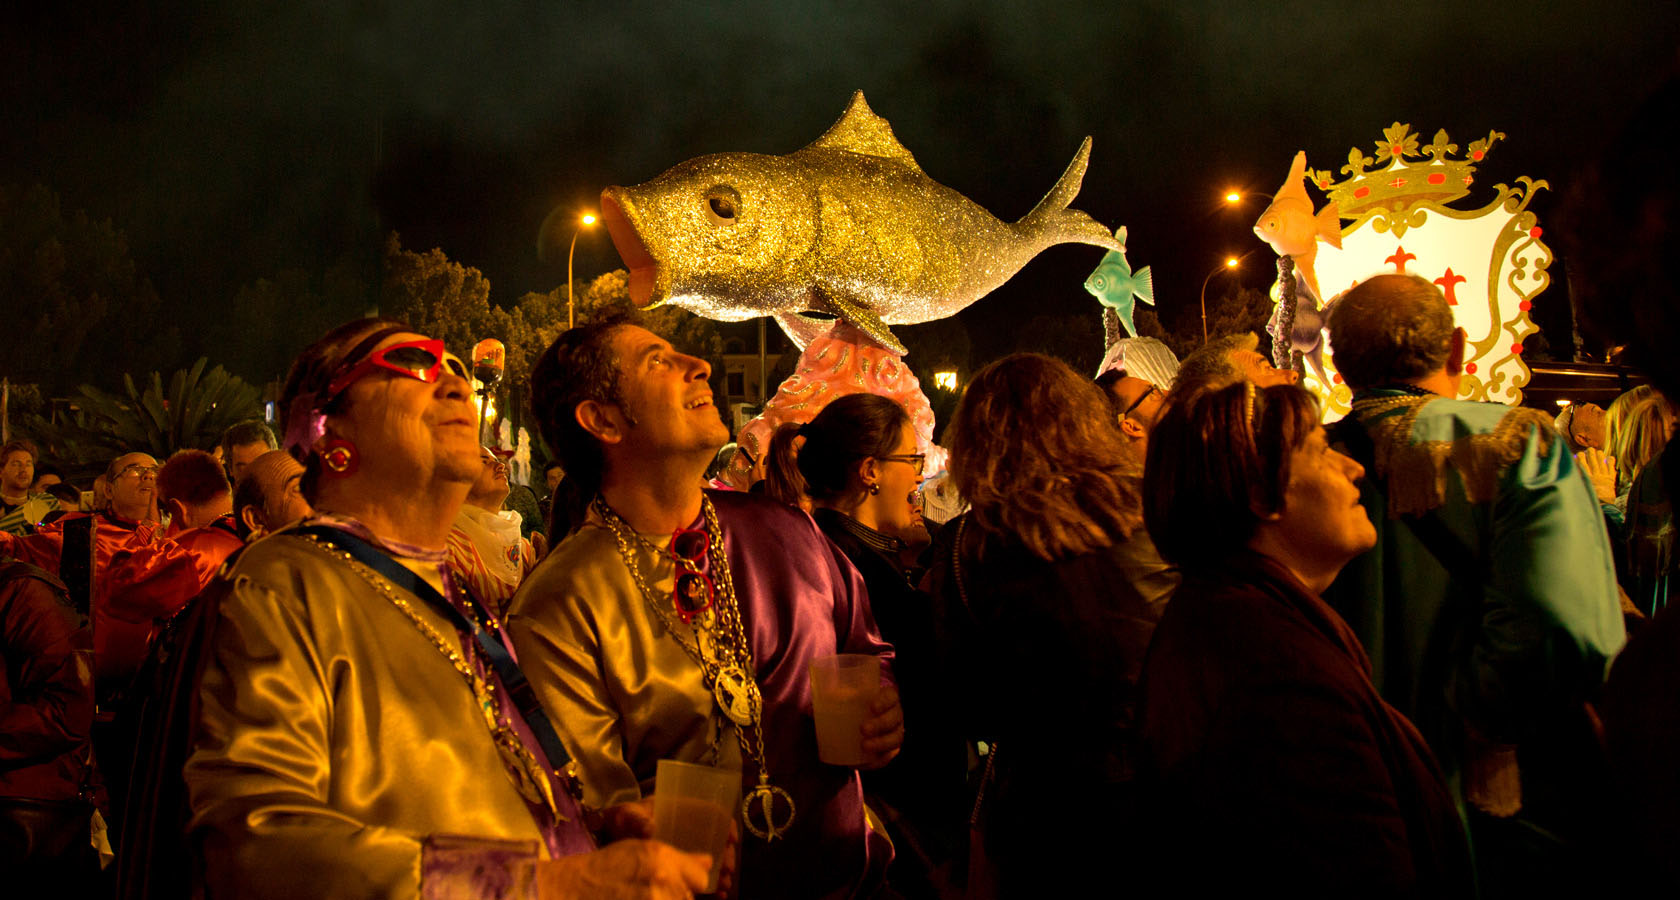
[1651, 566]
[1533, 624]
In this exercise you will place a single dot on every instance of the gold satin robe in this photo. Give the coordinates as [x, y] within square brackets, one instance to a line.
[337, 753]
[590, 660]
[623, 694]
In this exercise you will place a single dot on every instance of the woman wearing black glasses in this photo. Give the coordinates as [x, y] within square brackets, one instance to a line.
[858, 463]
[858, 466]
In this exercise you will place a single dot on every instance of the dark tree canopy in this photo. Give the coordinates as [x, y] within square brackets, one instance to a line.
[72, 299]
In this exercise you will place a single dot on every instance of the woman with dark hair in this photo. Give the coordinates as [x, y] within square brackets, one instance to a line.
[1050, 589]
[1265, 740]
[859, 460]
[782, 481]
[857, 466]
[358, 715]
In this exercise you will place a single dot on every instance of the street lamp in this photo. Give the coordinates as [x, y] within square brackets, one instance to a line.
[1234, 197]
[1231, 262]
[585, 222]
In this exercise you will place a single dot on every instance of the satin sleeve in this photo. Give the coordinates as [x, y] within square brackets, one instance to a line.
[259, 777]
[151, 582]
[1550, 618]
[43, 549]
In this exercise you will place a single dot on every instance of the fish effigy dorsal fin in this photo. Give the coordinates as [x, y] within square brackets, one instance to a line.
[861, 131]
[1292, 187]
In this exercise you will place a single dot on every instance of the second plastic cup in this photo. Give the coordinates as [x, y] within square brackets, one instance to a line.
[692, 808]
[842, 687]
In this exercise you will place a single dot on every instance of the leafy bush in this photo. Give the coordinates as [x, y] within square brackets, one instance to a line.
[194, 412]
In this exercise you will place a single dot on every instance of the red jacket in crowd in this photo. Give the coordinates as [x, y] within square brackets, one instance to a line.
[124, 621]
[46, 687]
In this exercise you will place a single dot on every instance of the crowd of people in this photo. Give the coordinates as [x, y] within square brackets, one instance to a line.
[1181, 637]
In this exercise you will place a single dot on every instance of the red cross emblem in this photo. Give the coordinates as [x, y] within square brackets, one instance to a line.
[1447, 282]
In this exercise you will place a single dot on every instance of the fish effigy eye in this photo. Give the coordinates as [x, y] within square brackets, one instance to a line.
[721, 206]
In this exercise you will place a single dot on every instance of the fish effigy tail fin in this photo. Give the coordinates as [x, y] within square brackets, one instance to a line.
[1051, 222]
[1328, 224]
[1145, 288]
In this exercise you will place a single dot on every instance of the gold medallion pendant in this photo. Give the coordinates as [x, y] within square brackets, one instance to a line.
[737, 695]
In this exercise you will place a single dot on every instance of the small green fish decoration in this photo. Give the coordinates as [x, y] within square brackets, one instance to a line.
[1116, 286]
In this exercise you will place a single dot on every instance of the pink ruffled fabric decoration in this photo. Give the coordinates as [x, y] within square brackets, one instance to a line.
[842, 361]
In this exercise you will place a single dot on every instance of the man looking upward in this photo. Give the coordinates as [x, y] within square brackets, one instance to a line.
[637, 663]
[486, 550]
[269, 496]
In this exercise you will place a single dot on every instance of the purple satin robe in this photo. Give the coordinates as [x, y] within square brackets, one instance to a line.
[800, 599]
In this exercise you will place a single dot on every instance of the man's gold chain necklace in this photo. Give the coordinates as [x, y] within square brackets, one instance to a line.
[725, 659]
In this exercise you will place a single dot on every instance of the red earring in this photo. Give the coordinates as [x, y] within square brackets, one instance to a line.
[338, 456]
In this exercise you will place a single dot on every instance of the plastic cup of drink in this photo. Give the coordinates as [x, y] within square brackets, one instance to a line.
[842, 688]
[693, 807]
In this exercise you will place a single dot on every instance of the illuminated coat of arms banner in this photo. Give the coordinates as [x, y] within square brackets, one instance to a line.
[1489, 262]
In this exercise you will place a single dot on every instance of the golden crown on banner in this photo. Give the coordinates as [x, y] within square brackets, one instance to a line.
[1489, 261]
[1436, 177]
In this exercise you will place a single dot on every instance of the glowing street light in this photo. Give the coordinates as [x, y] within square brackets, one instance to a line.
[1230, 264]
[1233, 198]
[945, 380]
[585, 222]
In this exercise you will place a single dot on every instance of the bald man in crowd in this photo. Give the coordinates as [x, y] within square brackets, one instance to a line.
[269, 496]
[1227, 360]
[201, 534]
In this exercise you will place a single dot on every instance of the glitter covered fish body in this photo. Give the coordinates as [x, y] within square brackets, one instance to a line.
[850, 226]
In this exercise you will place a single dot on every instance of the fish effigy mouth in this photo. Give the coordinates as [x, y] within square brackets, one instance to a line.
[616, 212]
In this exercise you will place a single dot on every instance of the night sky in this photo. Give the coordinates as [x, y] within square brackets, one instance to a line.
[231, 140]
